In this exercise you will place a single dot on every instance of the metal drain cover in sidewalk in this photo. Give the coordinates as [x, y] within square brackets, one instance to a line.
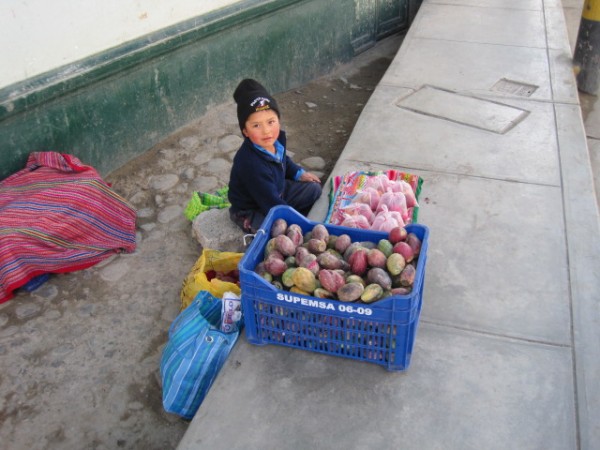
[471, 111]
[514, 87]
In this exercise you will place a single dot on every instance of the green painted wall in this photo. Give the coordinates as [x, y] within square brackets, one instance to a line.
[112, 107]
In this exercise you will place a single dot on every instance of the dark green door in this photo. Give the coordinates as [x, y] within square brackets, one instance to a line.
[376, 19]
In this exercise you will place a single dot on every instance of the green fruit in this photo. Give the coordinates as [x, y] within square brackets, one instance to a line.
[286, 278]
[372, 292]
[385, 246]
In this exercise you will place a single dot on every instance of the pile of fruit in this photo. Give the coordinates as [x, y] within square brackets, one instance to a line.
[232, 276]
[332, 266]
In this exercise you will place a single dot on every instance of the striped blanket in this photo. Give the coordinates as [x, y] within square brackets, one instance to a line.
[58, 215]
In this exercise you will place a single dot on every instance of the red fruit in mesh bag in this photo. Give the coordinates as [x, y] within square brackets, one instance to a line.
[394, 201]
[359, 209]
[355, 222]
[384, 221]
[378, 182]
[409, 193]
[369, 196]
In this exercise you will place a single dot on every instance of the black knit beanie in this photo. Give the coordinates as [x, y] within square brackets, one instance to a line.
[251, 97]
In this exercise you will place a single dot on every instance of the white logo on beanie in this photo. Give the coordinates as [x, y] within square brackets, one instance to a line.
[261, 103]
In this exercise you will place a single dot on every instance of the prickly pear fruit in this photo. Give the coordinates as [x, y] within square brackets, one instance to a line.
[285, 245]
[372, 293]
[286, 278]
[297, 290]
[319, 231]
[342, 242]
[273, 253]
[316, 246]
[304, 279]
[380, 277]
[294, 232]
[260, 268]
[329, 261]
[290, 261]
[385, 246]
[402, 290]
[355, 279]
[310, 262]
[269, 247]
[358, 261]
[414, 242]
[376, 258]
[350, 292]
[331, 280]
[407, 276]
[331, 241]
[395, 263]
[301, 253]
[397, 234]
[322, 293]
[275, 266]
[368, 244]
[405, 250]
[279, 227]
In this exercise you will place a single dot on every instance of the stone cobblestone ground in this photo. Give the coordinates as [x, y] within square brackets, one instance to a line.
[80, 355]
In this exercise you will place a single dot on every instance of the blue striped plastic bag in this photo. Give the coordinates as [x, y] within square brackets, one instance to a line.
[194, 355]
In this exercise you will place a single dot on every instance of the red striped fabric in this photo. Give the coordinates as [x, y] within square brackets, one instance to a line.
[58, 215]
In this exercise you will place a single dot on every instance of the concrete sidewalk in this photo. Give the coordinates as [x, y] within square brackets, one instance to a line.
[482, 103]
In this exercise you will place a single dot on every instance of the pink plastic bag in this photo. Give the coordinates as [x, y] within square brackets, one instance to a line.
[393, 201]
[369, 196]
[386, 220]
[359, 209]
[357, 221]
[407, 190]
[379, 182]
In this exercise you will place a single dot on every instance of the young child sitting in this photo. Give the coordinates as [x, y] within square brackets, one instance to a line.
[262, 175]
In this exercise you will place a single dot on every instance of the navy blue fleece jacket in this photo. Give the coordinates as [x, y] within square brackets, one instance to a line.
[257, 181]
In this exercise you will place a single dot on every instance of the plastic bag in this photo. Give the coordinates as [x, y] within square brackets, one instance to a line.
[202, 276]
[393, 201]
[379, 182]
[357, 221]
[194, 355]
[359, 209]
[386, 220]
[369, 196]
[407, 190]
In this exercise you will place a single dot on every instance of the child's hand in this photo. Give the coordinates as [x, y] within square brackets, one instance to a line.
[307, 176]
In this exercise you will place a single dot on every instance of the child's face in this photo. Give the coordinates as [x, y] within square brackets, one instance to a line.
[262, 128]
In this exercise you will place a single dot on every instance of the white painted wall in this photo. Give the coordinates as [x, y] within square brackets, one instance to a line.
[40, 35]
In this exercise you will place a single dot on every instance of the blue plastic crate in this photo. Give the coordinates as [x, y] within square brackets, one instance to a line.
[382, 332]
